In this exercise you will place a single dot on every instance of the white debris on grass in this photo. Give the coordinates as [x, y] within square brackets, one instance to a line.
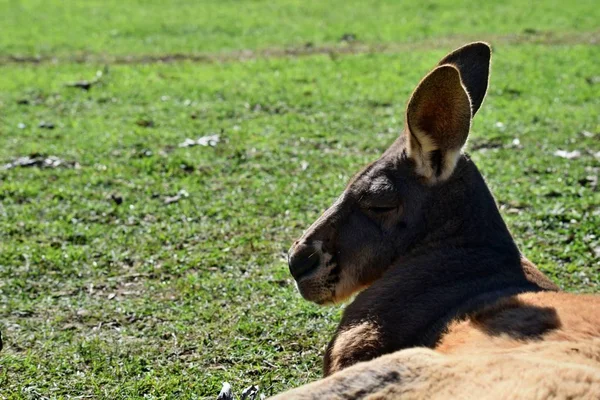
[225, 393]
[569, 155]
[210, 140]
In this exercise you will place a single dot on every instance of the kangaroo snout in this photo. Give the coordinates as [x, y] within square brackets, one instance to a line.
[303, 259]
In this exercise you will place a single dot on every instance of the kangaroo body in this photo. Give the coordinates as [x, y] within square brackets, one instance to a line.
[529, 346]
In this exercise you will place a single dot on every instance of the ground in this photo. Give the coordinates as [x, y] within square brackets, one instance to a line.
[131, 266]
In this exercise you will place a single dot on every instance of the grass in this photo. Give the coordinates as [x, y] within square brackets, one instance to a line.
[108, 292]
[59, 28]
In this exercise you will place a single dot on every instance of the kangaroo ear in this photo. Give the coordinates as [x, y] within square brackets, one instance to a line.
[473, 63]
[438, 118]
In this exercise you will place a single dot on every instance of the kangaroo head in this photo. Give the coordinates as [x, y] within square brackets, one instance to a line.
[405, 200]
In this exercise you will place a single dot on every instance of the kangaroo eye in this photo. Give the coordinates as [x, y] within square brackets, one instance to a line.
[381, 210]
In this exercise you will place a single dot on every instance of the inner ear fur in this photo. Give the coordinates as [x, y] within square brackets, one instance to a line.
[438, 119]
[473, 62]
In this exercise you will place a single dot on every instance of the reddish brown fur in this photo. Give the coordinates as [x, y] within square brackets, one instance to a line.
[529, 346]
[528, 317]
[541, 370]
[451, 307]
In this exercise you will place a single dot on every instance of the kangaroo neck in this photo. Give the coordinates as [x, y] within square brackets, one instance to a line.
[418, 297]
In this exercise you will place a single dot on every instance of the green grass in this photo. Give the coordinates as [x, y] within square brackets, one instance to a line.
[59, 28]
[163, 300]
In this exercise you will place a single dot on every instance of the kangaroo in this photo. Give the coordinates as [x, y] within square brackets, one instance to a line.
[446, 296]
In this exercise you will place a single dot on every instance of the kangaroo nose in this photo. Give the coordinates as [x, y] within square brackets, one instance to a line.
[303, 259]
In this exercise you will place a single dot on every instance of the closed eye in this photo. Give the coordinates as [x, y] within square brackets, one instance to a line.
[381, 210]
